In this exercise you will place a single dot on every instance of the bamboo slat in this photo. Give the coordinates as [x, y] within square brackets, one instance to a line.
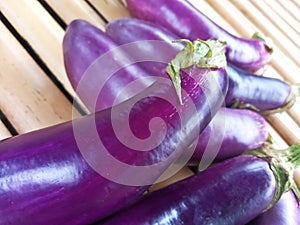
[208, 10]
[78, 9]
[45, 36]
[110, 9]
[292, 7]
[28, 98]
[4, 133]
[284, 14]
[268, 28]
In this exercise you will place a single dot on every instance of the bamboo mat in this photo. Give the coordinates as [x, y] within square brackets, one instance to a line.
[35, 92]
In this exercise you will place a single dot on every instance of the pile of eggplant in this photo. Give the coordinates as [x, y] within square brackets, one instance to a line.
[193, 100]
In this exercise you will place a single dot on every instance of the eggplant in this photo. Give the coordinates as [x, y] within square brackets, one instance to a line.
[230, 133]
[184, 20]
[234, 191]
[84, 170]
[249, 131]
[246, 90]
[285, 212]
[83, 44]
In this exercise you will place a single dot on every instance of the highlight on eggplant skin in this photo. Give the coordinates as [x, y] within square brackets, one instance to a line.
[32, 190]
[238, 130]
[250, 130]
[184, 20]
[285, 212]
[232, 192]
[246, 90]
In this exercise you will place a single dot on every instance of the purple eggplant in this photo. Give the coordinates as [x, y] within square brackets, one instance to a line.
[285, 212]
[237, 130]
[180, 17]
[83, 44]
[84, 170]
[250, 130]
[234, 191]
[262, 94]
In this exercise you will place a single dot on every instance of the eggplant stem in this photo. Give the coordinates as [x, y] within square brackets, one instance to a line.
[202, 54]
[283, 163]
[267, 41]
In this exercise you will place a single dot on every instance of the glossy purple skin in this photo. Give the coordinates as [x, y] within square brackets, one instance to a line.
[44, 178]
[285, 212]
[83, 43]
[230, 133]
[180, 17]
[232, 192]
[264, 93]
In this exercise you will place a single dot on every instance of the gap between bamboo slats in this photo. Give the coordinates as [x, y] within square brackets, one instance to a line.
[29, 98]
[43, 34]
[110, 9]
[78, 9]
[284, 14]
[4, 133]
[292, 7]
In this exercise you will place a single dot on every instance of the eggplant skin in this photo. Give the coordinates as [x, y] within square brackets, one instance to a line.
[285, 212]
[238, 130]
[232, 192]
[46, 176]
[262, 93]
[184, 20]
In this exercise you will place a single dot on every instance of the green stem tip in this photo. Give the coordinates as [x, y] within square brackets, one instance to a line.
[202, 54]
[267, 41]
[283, 164]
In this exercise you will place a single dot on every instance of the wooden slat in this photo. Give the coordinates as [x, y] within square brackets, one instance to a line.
[110, 9]
[4, 133]
[29, 98]
[292, 7]
[286, 127]
[282, 26]
[205, 8]
[45, 36]
[284, 14]
[78, 9]
[244, 27]
[268, 28]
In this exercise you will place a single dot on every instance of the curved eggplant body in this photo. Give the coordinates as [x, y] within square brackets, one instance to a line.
[262, 93]
[232, 192]
[230, 133]
[250, 129]
[62, 175]
[180, 17]
[267, 93]
[285, 212]
[83, 44]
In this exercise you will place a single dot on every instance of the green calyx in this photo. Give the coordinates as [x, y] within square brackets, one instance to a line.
[267, 41]
[202, 54]
[283, 163]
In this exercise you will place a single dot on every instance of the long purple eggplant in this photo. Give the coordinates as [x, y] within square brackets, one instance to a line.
[234, 191]
[250, 130]
[81, 171]
[230, 133]
[285, 212]
[83, 44]
[180, 17]
[262, 94]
